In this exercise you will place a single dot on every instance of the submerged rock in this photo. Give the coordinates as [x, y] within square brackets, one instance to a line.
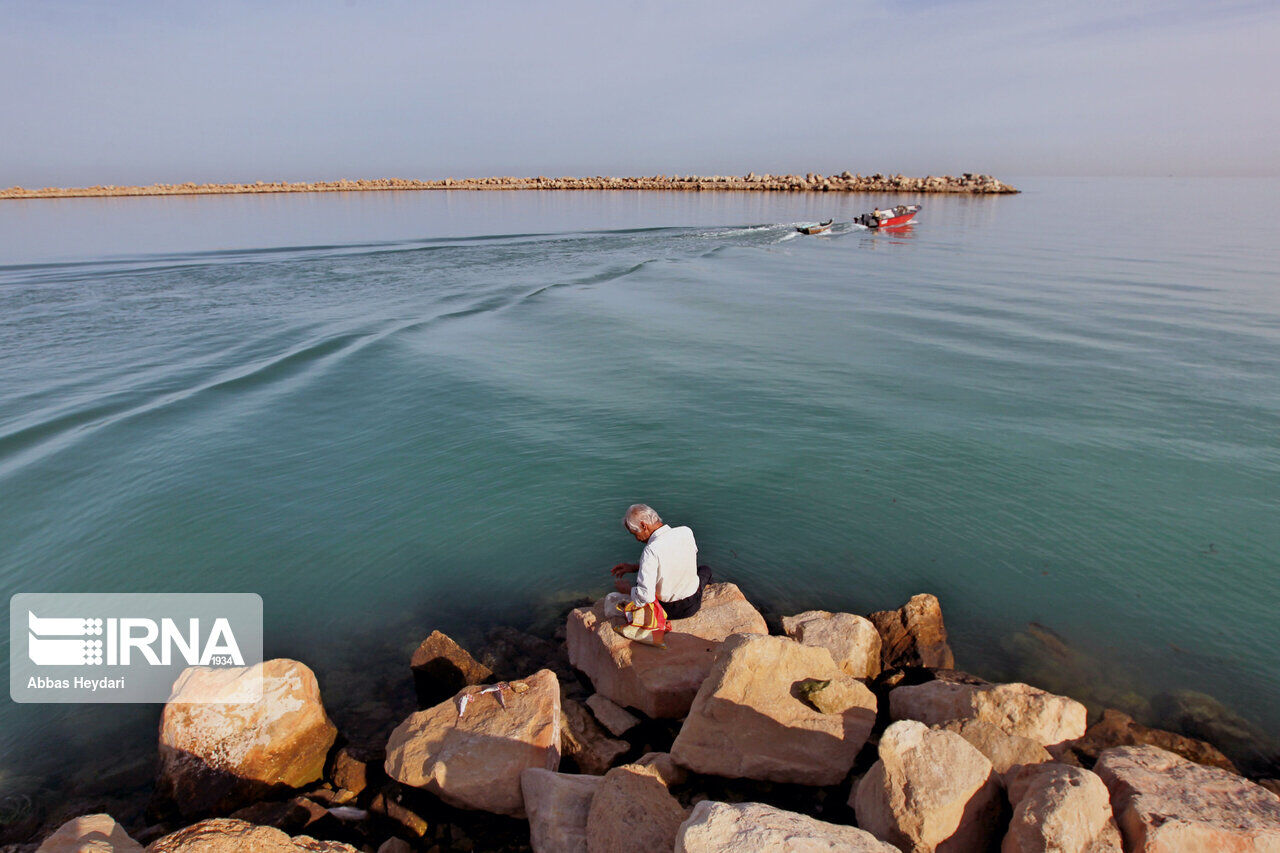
[1117, 728]
[215, 758]
[733, 828]
[441, 668]
[914, 635]
[511, 653]
[748, 720]
[658, 682]
[93, 833]
[633, 810]
[929, 791]
[852, 640]
[1200, 715]
[1060, 809]
[557, 805]
[1016, 709]
[1163, 802]
[224, 835]
[474, 760]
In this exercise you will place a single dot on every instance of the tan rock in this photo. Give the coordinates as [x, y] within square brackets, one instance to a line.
[733, 828]
[224, 835]
[93, 833]
[474, 761]
[585, 741]
[557, 804]
[616, 719]
[353, 768]
[658, 682]
[633, 810]
[1006, 752]
[395, 845]
[441, 668]
[671, 773]
[852, 640]
[1060, 809]
[1165, 803]
[390, 805]
[749, 722]
[1017, 709]
[929, 791]
[914, 635]
[291, 816]
[217, 757]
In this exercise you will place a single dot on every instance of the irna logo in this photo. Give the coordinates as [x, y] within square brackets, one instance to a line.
[91, 641]
[131, 647]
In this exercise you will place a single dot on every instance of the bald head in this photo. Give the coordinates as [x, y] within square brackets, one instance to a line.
[641, 520]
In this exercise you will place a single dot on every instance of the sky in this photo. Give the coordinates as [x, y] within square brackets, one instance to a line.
[144, 91]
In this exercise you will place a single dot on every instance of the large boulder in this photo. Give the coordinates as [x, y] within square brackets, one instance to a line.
[852, 640]
[731, 828]
[658, 682]
[93, 833]
[441, 668]
[1165, 803]
[1117, 728]
[585, 741]
[215, 758]
[557, 805]
[633, 810]
[754, 716]
[914, 635]
[473, 759]
[1007, 753]
[1017, 709]
[929, 791]
[1060, 809]
[224, 835]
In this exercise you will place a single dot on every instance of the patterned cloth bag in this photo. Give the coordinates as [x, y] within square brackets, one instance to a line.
[646, 623]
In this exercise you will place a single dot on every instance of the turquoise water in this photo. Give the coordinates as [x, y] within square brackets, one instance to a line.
[390, 412]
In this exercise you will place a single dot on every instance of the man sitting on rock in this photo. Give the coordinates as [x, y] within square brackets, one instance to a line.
[668, 571]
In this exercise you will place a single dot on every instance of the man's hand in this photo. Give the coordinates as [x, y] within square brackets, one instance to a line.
[624, 569]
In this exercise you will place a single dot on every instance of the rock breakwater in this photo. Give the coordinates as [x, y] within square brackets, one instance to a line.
[968, 183]
[779, 741]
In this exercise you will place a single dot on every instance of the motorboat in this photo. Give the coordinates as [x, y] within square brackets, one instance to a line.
[816, 229]
[892, 217]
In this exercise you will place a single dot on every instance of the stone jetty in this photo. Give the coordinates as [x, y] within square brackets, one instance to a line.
[842, 732]
[846, 182]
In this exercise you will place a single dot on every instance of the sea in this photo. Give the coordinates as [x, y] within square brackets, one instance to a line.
[387, 413]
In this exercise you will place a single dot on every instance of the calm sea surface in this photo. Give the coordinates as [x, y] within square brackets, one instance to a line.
[392, 412]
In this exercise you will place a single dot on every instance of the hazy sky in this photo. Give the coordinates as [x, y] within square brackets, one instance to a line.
[136, 91]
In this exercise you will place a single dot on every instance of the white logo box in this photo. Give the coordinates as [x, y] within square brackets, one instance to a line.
[132, 647]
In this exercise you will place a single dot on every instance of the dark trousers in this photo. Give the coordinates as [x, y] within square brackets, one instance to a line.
[685, 607]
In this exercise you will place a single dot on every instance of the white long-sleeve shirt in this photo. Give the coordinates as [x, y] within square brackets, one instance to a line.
[668, 566]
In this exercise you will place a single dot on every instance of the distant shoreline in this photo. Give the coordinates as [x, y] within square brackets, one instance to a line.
[968, 183]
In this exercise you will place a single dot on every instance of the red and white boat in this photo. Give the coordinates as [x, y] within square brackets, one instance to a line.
[890, 218]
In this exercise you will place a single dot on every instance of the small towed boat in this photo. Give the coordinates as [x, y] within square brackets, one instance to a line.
[816, 229]
[891, 218]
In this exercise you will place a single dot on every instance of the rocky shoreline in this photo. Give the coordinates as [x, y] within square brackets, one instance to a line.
[816, 731]
[967, 183]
